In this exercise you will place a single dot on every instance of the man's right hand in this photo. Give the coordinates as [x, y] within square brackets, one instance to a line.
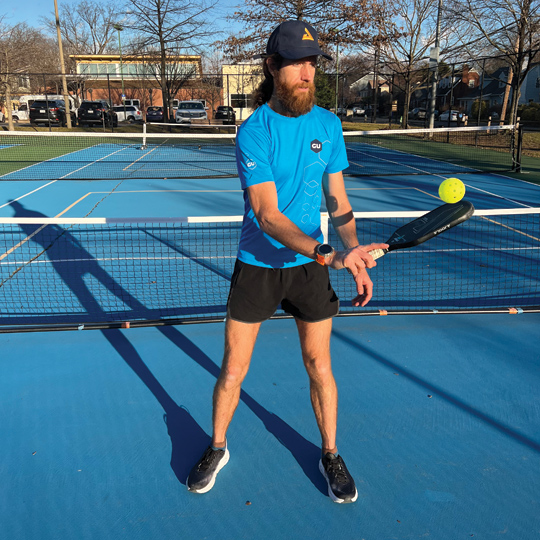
[355, 259]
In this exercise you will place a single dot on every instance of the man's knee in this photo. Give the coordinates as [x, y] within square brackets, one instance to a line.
[232, 376]
[318, 368]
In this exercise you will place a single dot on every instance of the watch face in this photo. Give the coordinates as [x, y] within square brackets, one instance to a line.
[325, 249]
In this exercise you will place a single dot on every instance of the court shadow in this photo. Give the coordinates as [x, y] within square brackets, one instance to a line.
[506, 430]
[305, 453]
[188, 439]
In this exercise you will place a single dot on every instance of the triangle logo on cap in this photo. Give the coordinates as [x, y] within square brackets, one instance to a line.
[307, 36]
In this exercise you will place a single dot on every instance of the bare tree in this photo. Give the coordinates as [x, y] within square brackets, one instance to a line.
[170, 28]
[506, 27]
[25, 51]
[29, 49]
[403, 56]
[350, 23]
[87, 27]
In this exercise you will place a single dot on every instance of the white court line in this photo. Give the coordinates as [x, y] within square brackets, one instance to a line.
[26, 194]
[53, 181]
[29, 237]
[444, 177]
[95, 161]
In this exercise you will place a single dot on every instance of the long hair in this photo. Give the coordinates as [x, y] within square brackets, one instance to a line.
[264, 91]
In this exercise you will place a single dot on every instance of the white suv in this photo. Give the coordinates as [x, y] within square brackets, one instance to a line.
[190, 110]
[132, 113]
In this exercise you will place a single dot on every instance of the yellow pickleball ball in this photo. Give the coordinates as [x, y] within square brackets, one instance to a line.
[452, 190]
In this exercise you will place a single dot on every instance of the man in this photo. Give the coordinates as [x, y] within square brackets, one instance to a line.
[286, 151]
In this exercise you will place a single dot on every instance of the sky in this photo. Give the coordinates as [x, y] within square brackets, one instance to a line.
[31, 11]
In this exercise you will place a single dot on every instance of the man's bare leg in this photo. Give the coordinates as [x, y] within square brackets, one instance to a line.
[315, 343]
[239, 343]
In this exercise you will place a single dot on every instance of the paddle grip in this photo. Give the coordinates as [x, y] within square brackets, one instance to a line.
[378, 253]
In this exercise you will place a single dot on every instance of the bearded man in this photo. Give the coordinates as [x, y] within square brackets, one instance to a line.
[288, 152]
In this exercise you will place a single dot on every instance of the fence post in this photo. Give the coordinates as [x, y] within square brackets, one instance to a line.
[46, 101]
[110, 102]
[519, 149]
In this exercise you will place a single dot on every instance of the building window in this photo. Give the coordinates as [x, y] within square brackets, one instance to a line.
[239, 101]
[88, 69]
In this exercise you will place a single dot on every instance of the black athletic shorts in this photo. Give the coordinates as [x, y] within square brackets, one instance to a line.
[303, 292]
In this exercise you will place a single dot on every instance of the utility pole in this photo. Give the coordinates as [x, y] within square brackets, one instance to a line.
[335, 30]
[62, 67]
[375, 85]
[7, 86]
[434, 67]
[119, 28]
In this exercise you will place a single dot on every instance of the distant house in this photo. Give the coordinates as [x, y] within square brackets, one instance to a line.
[491, 90]
[362, 89]
[530, 89]
[453, 91]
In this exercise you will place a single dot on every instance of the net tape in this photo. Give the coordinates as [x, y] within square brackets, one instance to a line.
[132, 156]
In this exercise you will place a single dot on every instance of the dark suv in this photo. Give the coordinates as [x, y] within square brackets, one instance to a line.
[96, 112]
[225, 113]
[43, 111]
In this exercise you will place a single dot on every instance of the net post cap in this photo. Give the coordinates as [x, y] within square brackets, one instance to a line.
[294, 40]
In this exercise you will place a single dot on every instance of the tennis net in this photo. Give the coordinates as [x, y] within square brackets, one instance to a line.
[69, 273]
[460, 150]
[132, 156]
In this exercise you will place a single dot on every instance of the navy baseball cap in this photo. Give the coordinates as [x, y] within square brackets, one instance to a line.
[294, 40]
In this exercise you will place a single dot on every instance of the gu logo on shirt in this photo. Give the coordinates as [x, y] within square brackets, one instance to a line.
[250, 164]
[316, 146]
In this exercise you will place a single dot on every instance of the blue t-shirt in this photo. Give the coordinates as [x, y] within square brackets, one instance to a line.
[294, 153]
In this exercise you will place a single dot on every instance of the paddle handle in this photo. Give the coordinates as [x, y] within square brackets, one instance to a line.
[378, 253]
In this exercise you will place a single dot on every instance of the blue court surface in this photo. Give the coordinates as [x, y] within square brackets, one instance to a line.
[439, 417]
[439, 422]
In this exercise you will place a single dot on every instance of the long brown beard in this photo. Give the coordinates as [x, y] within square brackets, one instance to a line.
[296, 104]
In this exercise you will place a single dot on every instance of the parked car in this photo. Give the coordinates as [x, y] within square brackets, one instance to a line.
[96, 112]
[418, 113]
[190, 110]
[22, 114]
[128, 113]
[453, 115]
[52, 110]
[342, 111]
[154, 114]
[225, 113]
[358, 110]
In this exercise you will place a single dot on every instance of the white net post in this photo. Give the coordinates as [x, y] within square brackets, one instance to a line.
[325, 218]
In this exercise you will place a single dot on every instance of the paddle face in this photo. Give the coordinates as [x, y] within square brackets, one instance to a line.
[431, 224]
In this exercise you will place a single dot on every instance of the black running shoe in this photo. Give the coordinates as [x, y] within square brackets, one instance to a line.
[203, 475]
[341, 487]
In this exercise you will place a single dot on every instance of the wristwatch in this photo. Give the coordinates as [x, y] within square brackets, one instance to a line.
[323, 252]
